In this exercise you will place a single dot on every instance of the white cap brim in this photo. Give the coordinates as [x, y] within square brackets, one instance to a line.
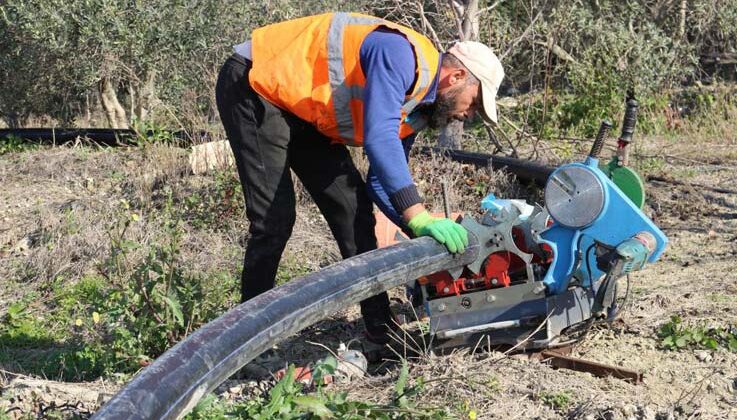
[488, 98]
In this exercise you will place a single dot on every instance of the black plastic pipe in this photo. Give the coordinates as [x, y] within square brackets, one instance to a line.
[103, 136]
[173, 383]
[524, 170]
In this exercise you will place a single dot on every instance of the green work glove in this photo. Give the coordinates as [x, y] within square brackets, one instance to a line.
[445, 231]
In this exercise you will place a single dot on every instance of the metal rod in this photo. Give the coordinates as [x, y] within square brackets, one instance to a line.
[597, 369]
[479, 328]
[446, 200]
[600, 139]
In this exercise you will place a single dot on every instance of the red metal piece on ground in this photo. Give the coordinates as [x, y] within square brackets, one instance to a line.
[303, 375]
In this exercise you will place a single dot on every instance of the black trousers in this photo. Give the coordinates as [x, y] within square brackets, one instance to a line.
[267, 143]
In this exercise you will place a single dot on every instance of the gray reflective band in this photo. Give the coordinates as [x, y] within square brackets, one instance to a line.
[422, 84]
[342, 93]
[418, 123]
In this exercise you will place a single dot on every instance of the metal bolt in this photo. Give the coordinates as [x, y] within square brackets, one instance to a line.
[441, 307]
[490, 298]
[494, 281]
[466, 302]
[446, 290]
[539, 288]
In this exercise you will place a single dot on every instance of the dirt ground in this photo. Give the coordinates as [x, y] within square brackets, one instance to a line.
[693, 280]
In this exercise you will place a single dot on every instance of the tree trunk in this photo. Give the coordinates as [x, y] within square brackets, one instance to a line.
[682, 20]
[467, 11]
[451, 135]
[132, 100]
[13, 120]
[86, 120]
[113, 109]
[470, 24]
[146, 96]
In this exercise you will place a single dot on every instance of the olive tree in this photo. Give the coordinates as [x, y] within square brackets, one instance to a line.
[128, 52]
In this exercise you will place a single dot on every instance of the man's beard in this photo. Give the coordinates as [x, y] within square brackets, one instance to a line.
[440, 111]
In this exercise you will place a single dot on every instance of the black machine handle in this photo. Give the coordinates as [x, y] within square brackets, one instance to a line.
[630, 119]
[600, 139]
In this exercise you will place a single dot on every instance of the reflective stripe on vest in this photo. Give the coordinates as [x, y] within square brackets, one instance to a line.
[342, 93]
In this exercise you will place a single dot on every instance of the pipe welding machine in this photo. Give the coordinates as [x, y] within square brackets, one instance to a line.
[544, 272]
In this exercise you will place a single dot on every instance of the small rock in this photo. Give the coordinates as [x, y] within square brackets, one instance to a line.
[236, 390]
[665, 416]
[628, 410]
[23, 245]
[208, 156]
[646, 413]
[609, 415]
[102, 398]
[703, 356]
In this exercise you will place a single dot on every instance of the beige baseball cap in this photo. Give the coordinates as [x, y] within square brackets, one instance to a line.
[481, 61]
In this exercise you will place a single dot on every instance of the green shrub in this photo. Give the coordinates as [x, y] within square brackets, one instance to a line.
[559, 401]
[20, 328]
[13, 144]
[289, 399]
[676, 335]
[216, 205]
[121, 319]
[149, 132]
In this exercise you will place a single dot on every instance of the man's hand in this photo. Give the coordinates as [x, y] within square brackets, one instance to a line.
[445, 231]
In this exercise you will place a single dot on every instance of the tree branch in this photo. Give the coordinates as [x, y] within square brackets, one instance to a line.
[521, 37]
[489, 8]
[427, 26]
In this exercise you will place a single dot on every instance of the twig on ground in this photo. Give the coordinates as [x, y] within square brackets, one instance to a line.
[690, 184]
[694, 391]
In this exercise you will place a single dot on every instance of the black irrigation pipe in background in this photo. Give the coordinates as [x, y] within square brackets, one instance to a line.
[525, 170]
[104, 136]
[174, 382]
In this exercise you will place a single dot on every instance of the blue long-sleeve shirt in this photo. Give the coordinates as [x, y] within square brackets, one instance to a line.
[388, 61]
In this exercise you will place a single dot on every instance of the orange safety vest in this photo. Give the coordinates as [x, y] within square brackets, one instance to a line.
[311, 68]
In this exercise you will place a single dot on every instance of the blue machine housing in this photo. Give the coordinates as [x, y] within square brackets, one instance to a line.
[617, 220]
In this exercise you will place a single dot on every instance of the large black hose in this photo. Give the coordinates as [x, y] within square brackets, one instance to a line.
[103, 136]
[173, 384]
[524, 170]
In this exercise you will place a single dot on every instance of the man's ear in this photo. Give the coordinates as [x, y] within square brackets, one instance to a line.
[457, 75]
